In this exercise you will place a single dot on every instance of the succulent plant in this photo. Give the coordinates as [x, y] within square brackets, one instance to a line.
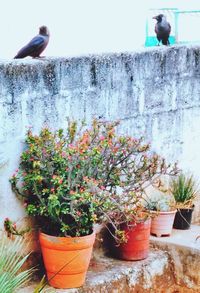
[184, 190]
[162, 202]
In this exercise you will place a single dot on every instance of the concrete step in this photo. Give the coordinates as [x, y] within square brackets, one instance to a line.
[172, 267]
[183, 247]
[111, 275]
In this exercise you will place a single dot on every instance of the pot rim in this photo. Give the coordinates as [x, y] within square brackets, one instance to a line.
[164, 212]
[192, 208]
[66, 237]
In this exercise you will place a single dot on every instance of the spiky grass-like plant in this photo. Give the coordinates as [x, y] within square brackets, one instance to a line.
[184, 190]
[12, 258]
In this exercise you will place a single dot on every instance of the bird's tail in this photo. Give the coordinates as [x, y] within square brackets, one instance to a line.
[17, 56]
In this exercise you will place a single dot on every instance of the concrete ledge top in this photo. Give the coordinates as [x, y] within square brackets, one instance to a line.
[107, 55]
[184, 238]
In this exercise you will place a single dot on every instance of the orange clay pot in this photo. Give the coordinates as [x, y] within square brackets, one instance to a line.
[162, 223]
[137, 246]
[66, 259]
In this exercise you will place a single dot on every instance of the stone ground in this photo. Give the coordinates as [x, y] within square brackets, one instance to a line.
[172, 267]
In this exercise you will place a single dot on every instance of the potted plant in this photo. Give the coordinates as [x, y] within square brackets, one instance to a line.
[163, 211]
[132, 221]
[61, 203]
[70, 180]
[134, 168]
[184, 190]
[134, 232]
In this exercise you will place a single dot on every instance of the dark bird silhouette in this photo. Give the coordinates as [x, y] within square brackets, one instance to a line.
[36, 46]
[162, 29]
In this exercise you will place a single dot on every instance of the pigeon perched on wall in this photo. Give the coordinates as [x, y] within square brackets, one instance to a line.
[162, 29]
[36, 46]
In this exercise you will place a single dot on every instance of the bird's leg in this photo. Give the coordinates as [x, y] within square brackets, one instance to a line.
[39, 57]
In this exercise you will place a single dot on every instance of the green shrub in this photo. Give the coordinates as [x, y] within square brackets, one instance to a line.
[74, 178]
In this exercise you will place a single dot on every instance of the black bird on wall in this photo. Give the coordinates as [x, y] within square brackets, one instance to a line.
[36, 46]
[162, 29]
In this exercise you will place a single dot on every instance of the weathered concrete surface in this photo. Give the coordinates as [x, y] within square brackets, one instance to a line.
[107, 275]
[110, 275]
[184, 251]
[155, 93]
[172, 267]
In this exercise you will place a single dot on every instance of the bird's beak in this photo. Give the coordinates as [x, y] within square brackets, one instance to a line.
[155, 17]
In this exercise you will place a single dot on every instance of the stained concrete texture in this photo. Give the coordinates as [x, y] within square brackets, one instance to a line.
[172, 267]
[108, 275]
[183, 246]
[155, 92]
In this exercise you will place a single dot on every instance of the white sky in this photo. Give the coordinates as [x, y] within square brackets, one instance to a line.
[79, 27]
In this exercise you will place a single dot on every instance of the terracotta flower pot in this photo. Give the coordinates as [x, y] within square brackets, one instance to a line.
[137, 246]
[162, 223]
[66, 259]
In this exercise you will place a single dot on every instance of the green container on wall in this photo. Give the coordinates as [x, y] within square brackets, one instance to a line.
[152, 41]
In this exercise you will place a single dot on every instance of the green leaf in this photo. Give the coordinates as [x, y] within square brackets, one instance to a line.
[11, 262]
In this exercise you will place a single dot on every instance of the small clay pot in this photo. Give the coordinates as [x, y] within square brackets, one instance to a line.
[137, 245]
[162, 223]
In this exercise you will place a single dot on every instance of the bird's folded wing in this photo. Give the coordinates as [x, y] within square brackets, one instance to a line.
[33, 45]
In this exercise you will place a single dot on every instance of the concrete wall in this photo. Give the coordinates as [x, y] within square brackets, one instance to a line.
[155, 93]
